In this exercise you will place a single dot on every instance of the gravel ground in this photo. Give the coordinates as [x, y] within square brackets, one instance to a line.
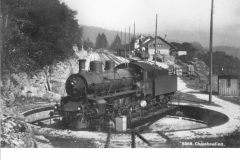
[123, 140]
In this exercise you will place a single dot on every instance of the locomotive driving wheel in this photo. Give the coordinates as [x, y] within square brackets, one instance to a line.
[98, 128]
[64, 122]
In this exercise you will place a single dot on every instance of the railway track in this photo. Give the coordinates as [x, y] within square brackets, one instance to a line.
[138, 127]
[113, 58]
[103, 59]
[35, 115]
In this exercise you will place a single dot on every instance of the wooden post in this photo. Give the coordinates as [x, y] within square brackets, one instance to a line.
[133, 139]
[178, 99]
[134, 32]
[125, 44]
[156, 41]
[108, 139]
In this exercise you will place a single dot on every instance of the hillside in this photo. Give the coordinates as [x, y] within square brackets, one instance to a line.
[91, 32]
[219, 38]
[178, 36]
[235, 52]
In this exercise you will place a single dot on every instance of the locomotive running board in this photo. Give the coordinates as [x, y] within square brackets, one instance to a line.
[111, 95]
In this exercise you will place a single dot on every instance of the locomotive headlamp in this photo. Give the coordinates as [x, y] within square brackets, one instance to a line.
[143, 103]
[79, 108]
[56, 105]
[131, 109]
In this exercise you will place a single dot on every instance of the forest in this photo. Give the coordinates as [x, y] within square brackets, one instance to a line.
[223, 64]
[35, 33]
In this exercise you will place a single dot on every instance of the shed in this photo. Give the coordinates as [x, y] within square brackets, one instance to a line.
[228, 85]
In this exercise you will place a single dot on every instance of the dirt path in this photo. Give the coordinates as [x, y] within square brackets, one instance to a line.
[228, 108]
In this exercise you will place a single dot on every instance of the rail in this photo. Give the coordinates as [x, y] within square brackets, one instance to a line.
[103, 59]
[113, 58]
[219, 119]
[134, 133]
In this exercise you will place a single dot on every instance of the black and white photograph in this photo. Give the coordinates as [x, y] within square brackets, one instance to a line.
[98, 74]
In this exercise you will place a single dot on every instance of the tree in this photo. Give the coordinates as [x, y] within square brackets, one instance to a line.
[36, 33]
[104, 41]
[229, 64]
[190, 52]
[98, 44]
[88, 44]
[101, 41]
[175, 44]
[116, 43]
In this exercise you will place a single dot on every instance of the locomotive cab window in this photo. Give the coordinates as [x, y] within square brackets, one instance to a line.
[147, 74]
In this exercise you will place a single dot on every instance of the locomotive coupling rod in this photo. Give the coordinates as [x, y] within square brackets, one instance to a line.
[133, 139]
[108, 139]
[143, 139]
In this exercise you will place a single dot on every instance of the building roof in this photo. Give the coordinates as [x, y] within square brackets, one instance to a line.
[228, 77]
[143, 65]
[146, 38]
[173, 47]
[140, 36]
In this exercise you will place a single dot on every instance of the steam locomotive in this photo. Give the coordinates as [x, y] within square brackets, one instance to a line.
[95, 98]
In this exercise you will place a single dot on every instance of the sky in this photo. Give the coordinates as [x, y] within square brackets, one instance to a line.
[190, 15]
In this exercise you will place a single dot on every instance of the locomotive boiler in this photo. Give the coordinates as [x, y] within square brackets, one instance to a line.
[95, 98]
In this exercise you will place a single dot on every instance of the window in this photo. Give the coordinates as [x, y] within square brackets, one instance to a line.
[228, 83]
[147, 74]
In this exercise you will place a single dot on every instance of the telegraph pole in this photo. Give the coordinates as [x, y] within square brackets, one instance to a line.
[121, 37]
[134, 31]
[129, 42]
[156, 41]
[125, 45]
[210, 72]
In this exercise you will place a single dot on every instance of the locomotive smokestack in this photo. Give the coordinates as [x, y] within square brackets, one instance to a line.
[110, 65]
[81, 65]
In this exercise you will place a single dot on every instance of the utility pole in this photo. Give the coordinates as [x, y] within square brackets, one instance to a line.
[129, 47]
[121, 37]
[125, 45]
[134, 31]
[82, 44]
[6, 23]
[210, 72]
[156, 41]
